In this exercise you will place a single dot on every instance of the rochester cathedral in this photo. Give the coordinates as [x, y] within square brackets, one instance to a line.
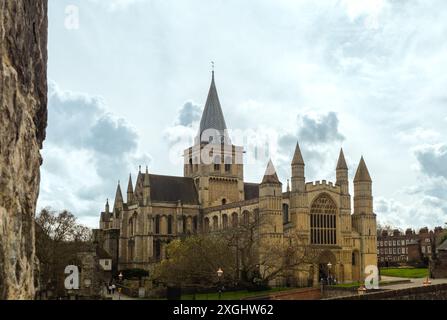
[212, 195]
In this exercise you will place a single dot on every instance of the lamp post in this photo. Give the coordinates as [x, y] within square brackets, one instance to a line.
[219, 276]
[329, 266]
[120, 278]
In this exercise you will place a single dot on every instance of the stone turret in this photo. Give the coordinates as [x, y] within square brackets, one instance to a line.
[118, 199]
[146, 188]
[130, 191]
[299, 208]
[298, 178]
[344, 231]
[270, 203]
[364, 219]
[363, 200]
[342, 173]
[345, 197]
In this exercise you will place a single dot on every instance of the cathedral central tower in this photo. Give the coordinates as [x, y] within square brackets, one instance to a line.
[215, 164]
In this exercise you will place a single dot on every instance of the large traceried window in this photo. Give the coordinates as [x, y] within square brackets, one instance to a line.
[323, 221]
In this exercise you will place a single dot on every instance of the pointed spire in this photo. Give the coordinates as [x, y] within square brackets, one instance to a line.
[118, 195]
[212, 117]
[298, 157]
[107, 206]
[146, 181]
[270, 175]
[362, 174]
[341, 164]
[130, 185]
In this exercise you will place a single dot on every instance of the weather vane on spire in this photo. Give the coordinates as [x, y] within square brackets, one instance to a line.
[212, 66]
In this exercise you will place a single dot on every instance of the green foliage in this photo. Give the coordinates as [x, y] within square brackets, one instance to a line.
[194, 261]
[405, 272]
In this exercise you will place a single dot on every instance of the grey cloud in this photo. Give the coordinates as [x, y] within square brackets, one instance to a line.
[314, 131]
[321, 130]
[81, 121]
[319, 139]
[112, 137]
[189, 114]
[433, 160]
[91, 138]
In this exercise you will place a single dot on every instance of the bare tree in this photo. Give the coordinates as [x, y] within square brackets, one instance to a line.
[58, 238]
[261, 256]
[248, 256]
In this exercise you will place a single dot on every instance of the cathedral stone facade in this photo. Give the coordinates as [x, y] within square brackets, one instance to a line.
[212, 195]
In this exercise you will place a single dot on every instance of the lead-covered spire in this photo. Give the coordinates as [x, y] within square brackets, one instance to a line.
[213, 121]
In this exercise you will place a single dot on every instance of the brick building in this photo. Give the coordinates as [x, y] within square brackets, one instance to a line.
[396, 247]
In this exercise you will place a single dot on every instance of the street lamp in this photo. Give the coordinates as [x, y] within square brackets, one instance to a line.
[219, 276]
[329, 266]
[120, 278]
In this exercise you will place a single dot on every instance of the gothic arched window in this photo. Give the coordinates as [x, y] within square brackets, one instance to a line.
[217, 163]
[130, 227]
[170, 225]
[157, 224]
[285, 212]
[234, 220]
[323, 221]
[227, 164]
[246, 218]
[215, 223]
[195, 223]
[206, 224]
[224, 221]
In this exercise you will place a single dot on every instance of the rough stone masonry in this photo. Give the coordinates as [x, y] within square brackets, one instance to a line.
[23, 119]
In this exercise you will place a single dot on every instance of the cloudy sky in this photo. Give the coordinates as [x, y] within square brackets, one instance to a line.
[129, 78]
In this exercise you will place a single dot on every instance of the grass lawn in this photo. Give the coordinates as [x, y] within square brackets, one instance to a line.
[232, 295]
[405, 272]
[357, 284]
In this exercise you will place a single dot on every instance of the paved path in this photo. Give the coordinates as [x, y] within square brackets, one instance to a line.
[117, 296]
[417, 282]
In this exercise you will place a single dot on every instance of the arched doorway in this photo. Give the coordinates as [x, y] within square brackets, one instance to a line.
[326, 266]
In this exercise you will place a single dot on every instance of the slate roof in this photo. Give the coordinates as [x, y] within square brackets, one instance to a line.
[251, 191]
[443, 246]
[270, 175]
[172, 189]
[102, 254]
[212, 117]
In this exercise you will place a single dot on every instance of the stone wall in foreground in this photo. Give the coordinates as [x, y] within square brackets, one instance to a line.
[431, 292]
[23, 119]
